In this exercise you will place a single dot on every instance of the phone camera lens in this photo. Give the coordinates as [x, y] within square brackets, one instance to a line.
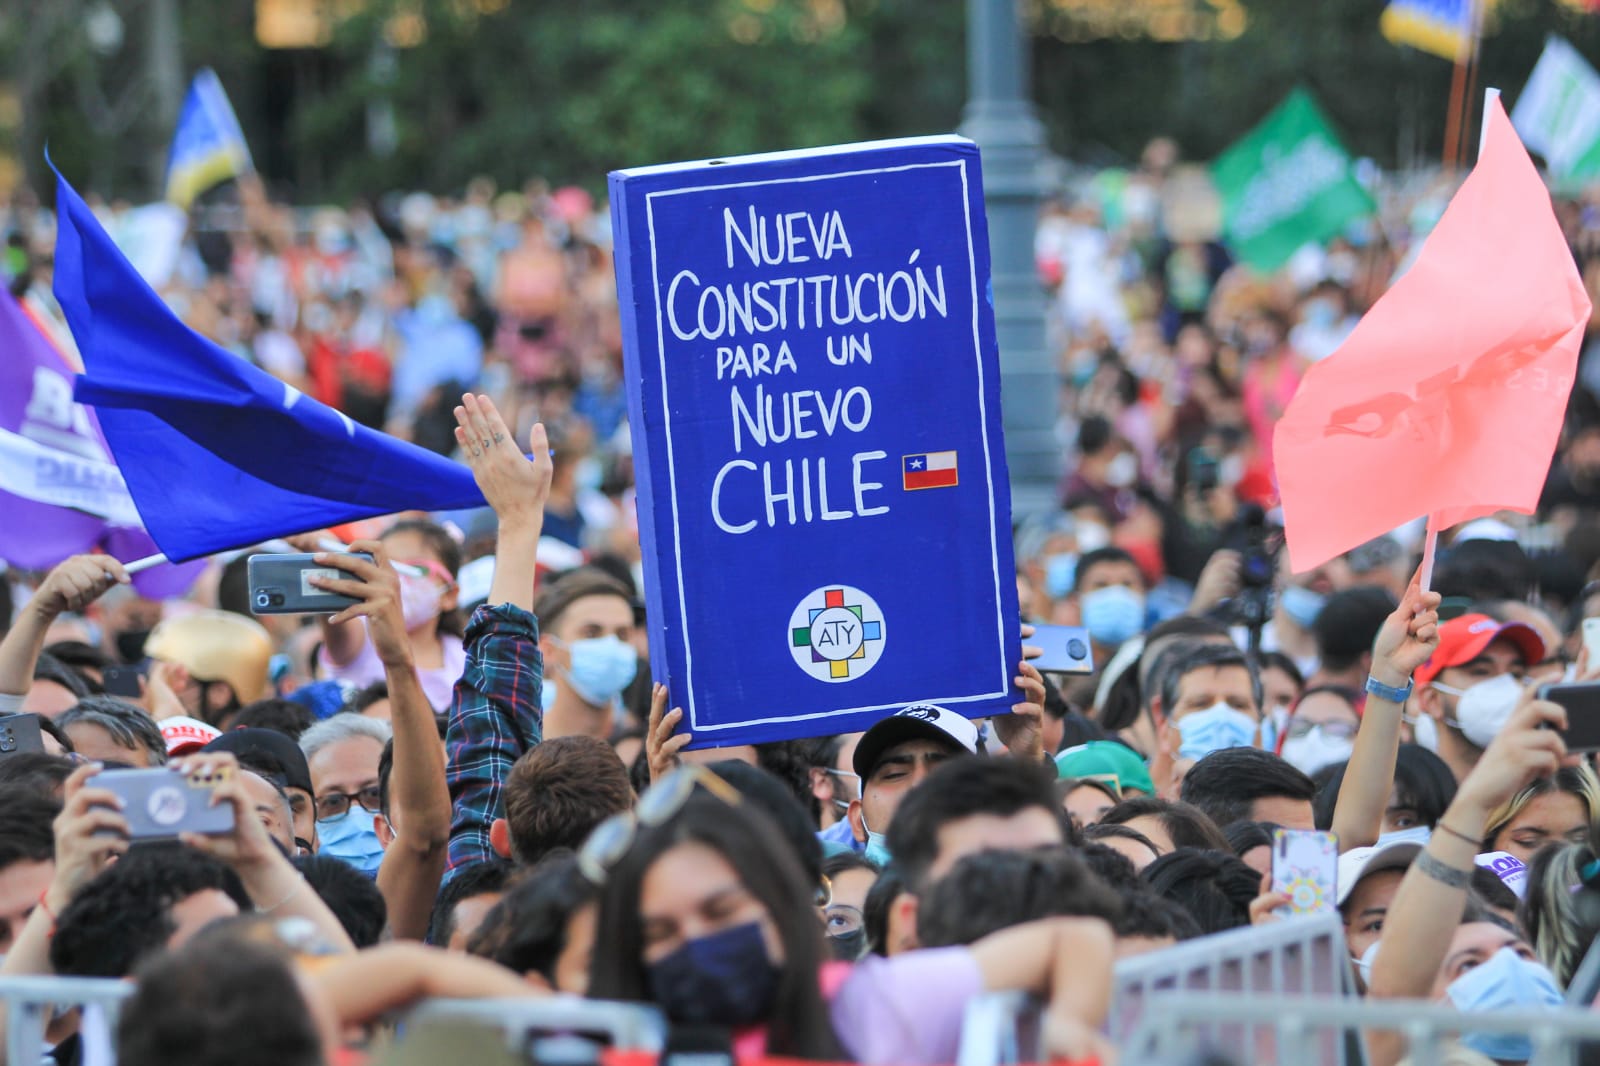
[263, 600]
[277, 599]
[1076, 649]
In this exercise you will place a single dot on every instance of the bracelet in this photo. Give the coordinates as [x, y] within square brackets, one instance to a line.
[298, 885]
[1388, 692]
[1448, 876]
[1458, 834]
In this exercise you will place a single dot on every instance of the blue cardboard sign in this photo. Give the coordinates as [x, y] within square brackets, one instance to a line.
[814, 391]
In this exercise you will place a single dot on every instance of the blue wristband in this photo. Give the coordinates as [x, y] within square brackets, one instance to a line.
[1388, 692]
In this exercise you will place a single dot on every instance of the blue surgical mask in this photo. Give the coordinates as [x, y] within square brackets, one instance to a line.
[600, 668]
[1213, 729]
[350, 838]
[1060, 571]
[877, 850]
[1505, 982]
[547, 695]
[725, 979]
[1113, 614]
[1302, 605]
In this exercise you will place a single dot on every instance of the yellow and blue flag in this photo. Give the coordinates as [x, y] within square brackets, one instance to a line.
[1445, 28]
[208, 146]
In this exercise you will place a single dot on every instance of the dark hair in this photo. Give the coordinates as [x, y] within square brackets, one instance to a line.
[233, 586]
[1247, 836]
[1089, 560]
[474, 879]
[49, 668]
[448, 552]
[557, 792]
[125, 912]
[80, 657]
[1214, 887]
[1202, 657]
[1276, 660]
[1094, 433]
[1148, 914]
[527, 930]
[1188, 826]
[962, 788]
[125, 723]
[569, 588]
[282, 716]
[844, 862]
[1226, 783]
[1493, 892]
[1348, 624]
[365, 697]
[51, 728]
[789, 761]
[798, 1025]
[1422, 782]
[220, 1000]
[37, 771]
[27, 832]
[1484, 570]
[351, 895]
[990, 891]
[385, 771]
[1113, 868]
[775, 800]
[1067, 785]
[1114, 830]
[880, 905]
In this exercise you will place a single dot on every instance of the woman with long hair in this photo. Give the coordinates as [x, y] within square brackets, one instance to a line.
[1563, 807]
[705, 913]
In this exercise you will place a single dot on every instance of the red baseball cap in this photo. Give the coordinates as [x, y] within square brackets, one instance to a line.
[1463, 639]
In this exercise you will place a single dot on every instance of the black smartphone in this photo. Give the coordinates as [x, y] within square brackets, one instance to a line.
[161, 803]
[281, 584]
[1582, 702]
[122, 681]
[20, 733]
[1066, 650]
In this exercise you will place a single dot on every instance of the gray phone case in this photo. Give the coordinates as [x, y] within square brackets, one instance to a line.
[279, 584]
[161, 803]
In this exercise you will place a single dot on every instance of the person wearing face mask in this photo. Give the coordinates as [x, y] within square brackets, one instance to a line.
[427, 559]
[709, 917]
[586, 643]
[1110, 596]
[1106, 473]
[1210, 699]
[344, 753]
[1465, 692]
[1436, 944]
[1322, 728]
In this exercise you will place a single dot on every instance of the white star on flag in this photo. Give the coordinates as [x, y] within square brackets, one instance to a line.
[916, 464]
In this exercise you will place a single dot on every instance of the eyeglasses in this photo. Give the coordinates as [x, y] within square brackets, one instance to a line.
[841, 919]
[335, 804]
[1300, 727]
[660, 803]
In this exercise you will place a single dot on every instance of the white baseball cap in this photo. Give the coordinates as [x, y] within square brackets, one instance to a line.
[1359, 862]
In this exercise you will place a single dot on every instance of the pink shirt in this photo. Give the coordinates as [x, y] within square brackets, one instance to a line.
[366, 668]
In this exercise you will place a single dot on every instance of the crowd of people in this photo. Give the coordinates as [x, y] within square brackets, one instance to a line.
[466, 785]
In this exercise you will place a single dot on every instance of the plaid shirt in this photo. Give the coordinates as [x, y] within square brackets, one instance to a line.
[495, 718]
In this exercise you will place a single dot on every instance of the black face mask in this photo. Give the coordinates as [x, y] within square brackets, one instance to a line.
[724, 979]
[848, 947]
[130, 645]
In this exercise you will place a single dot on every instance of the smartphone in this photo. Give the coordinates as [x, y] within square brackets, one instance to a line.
[20, 733]
[1305, 867]
[161, 803]
[1066, 650]
[1582, 702]
[1591, 641]
[281, 584]
[122, 681]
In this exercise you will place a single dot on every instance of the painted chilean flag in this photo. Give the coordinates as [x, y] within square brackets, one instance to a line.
[932, 470]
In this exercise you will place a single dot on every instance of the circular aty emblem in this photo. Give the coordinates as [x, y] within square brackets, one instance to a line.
[166, 805]
[836, 633]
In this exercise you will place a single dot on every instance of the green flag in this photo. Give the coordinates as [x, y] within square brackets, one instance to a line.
[1558, 113]
[1285, 183]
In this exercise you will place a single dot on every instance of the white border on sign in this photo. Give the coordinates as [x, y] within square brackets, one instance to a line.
[672, 473]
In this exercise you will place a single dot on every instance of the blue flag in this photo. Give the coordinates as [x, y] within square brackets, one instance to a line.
[208, 146]
[217, 453]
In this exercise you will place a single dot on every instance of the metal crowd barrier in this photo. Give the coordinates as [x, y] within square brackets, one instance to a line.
[1294, 957]
[1253, 1028]
[30, 1002]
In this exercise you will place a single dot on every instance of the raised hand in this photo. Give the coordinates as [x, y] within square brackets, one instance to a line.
[377, 586]
[661, 746]
[1409, 636]
[1022, 731]
[515, 485]
[76, 583]
[89, 831]
[1529, 745]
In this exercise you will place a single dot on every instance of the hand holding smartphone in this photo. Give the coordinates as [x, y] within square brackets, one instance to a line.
[1305, 867]
[281, 584]
[161, 804]
[1581, 699]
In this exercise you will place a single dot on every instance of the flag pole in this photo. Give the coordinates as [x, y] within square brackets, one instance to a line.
[144, 564]
[1452, 122]
[1430, 543]
[1472, 82]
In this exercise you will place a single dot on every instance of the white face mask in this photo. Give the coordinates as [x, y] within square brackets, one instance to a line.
[1482, 710]
[1316, 749]
[1424, 732]
[1122, 471]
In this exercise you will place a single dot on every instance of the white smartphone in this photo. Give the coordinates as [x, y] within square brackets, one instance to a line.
[1305, 867]
[1591, 641]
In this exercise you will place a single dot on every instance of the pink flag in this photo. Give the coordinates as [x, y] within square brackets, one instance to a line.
[1448, 398]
